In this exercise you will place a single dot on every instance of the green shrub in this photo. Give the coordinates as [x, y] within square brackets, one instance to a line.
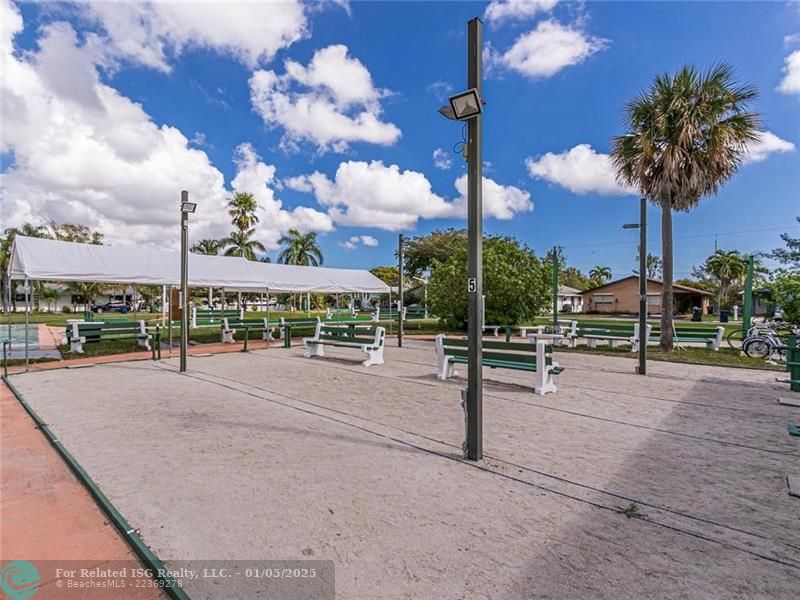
[66, 309]
[515, 282]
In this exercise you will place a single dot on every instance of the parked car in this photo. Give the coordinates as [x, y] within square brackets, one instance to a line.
[114, 306]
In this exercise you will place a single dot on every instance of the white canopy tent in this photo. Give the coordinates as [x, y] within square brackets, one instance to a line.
[51, 260]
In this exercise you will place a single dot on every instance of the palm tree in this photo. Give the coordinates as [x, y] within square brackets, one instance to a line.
[209, 247]
[49, 294]
[242, 209]
[241, 243]
[300, 249]
[687, 135]
[600, 274]
[727, 267]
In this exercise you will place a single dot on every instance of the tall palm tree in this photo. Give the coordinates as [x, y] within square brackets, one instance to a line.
[209, 247]
[600, 274]
[727, 267]
[300, 249]
[242, 210]
[687, 135]
[241, 243]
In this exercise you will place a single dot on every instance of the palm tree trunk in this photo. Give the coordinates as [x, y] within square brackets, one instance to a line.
[666, 294]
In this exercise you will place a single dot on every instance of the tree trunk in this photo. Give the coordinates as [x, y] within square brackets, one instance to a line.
[666, 294]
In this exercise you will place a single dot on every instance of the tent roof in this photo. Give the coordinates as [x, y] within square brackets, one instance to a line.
[42, 259]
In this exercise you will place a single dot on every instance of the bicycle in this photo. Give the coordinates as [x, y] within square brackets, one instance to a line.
[766, 343]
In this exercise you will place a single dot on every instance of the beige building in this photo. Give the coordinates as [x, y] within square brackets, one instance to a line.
[622, 296]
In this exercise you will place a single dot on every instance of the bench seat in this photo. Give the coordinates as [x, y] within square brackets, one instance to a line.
[347, 337]
[521, 356]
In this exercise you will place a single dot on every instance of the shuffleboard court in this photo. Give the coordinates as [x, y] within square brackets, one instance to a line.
[616, 486]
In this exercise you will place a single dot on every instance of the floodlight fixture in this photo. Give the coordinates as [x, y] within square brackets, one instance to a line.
[188, 207]
[447, 113]
[466, 105]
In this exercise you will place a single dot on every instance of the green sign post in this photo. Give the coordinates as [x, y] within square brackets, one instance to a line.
[747, 313]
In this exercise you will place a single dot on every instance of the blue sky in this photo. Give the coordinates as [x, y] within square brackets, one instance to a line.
[113, 110]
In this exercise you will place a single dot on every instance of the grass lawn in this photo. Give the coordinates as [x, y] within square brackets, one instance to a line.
[103, 348]
[726, 357]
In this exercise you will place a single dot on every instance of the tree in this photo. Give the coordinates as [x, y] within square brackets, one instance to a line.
[49, 294]
[725, 267]
[600, 274]
[789, 256]
[300, 249]
[572, 277]
[242, 209]
[388, 275]
[687, 135]
[557, 253]
[516, 283]
[652, 266]
[422, 252]
[86, 290]
[71, 232]
[264, 259]
[786, 293]
[208, 247]
[242, 244]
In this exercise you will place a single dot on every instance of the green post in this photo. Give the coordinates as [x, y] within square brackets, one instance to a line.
[287, 336]
[246, 337]
[747, 313]
[555, 288]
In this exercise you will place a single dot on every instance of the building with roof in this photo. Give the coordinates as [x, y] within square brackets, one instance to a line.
[622, 296]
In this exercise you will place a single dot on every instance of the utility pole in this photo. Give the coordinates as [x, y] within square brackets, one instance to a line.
[186, 208]
[474, 399]
[748, 296]
[642, 370]
[400, 286]
[555, 288]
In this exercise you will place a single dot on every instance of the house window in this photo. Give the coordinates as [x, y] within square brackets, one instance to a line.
[603, 298]
[654, 299]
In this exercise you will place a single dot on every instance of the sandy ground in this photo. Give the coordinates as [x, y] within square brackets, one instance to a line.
[269, 455]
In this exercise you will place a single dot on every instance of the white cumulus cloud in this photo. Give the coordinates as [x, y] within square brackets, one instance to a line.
[546, 50]
[581, 170]
[373, 194]
[150, 33]
[353, 242]
[331, 103]
[790, 84]
[442, 159]
[767, 143]
[502, 10]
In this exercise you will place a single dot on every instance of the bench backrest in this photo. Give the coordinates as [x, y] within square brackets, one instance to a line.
[95, 330]
[601, 330]
[689, 333]
[507, 352]
[355, 335]
[310, 321]
[228, 323]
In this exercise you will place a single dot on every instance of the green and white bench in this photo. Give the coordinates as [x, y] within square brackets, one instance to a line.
[229, 327]
[347, 337]
[332, 313]
[205, 317]
[710, 336]
[285, 326]
[614, 334]
[520, 356]
[78, 333]
[389, 314]
[416, 313]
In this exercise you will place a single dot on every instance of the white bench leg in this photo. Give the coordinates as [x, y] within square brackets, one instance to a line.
[227, 336]
[613, 343]
[591, 342]
[144, 341]
[313, 349]
[267, 336]
[634, 345]
[544, 378]
[374, 356]
[76, 345]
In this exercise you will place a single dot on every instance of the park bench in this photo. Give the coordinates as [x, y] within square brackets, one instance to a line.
[286, 325]
[792, 363]
[78, 333]
[229, 327]
[332, 313]
[612, 333]
[389, 314]
[710, 336]
[416, 313]
[520, 356]
[202, 317]
[347, 337]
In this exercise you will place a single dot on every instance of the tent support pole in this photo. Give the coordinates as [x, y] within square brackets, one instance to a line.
[170, 321]
[27, 321]
[267, 318]
[163, 305]
[8, 311]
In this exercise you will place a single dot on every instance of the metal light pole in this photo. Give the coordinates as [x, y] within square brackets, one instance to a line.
[555, 289]
[400, 286]
[186, 208]
[474, 400]
[641, 368]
